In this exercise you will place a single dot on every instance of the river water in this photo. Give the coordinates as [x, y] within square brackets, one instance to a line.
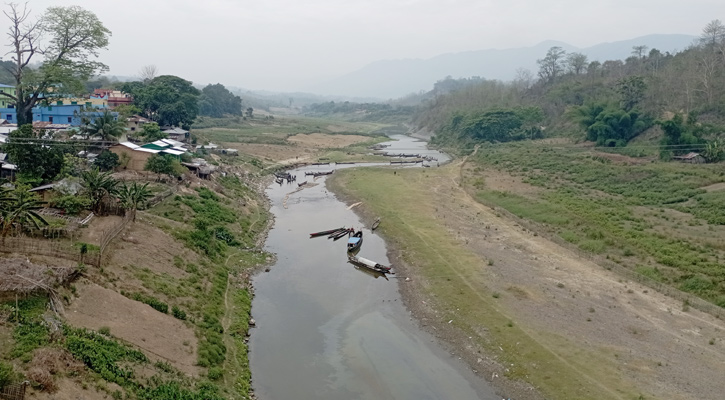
[326, 330]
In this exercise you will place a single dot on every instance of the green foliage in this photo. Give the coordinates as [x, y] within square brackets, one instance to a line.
[105, 126]
[133, 196]
[164, 164]
[98, 186]
[155, 303]
[174, 391]
[7, 374]
[102, 355]
[19, 210]
[492, 126]
[607, 124]
[72, 38]
[178, 313]
[107, 161]
[714, 151]
[34, 154]
[169, 99]
[680, 136]
[215, 373]
[28, 337]
[216, 101]
[631, 90]
[151, 132]
[599, 206]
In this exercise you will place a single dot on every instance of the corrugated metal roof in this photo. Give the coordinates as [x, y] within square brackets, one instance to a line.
[129, 145]
[146, 150]
[174, 152]
[172, 142]
[177, 131]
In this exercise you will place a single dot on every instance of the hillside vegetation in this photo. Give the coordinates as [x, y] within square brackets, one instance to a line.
[610, 103]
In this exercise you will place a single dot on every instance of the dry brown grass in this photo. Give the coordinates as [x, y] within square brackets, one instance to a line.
[50, 362]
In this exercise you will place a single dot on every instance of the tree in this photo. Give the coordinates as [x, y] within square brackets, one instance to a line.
[631, 91]
[577, 63]
[105, 126]
[107, 161]
[98, 186]
[148, 73]
[216, 100]
[19, 210]
[37, 156]
[250, 112]
[151, 132]
[166, 99]
[127, 111]
[552, 65]
[164, 164]
[714, 151]
[640, 51]
[133, 196]
[74, 38]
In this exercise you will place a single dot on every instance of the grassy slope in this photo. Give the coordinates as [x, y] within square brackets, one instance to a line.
[654, 218]
[568, 373]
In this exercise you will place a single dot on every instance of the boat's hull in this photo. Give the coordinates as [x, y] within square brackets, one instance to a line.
[329, 232]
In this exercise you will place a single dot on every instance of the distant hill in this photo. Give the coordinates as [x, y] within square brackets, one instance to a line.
[396, 78]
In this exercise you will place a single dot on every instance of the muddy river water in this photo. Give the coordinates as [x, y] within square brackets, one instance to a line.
[326, 330]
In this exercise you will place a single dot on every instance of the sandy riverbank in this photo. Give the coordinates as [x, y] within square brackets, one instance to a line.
[609, 338]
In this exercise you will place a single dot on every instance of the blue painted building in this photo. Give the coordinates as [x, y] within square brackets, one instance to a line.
[57, 114]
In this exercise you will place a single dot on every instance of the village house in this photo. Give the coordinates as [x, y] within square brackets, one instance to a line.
[136, 123]
[176, 133]
[114, 98]
[5, 102]
[137, 156]
[690, 158]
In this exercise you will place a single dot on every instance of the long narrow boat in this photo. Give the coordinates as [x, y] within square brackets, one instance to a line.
[338, 235]
[375, 224]
[370, 264]
[354, 243]
[328, 232]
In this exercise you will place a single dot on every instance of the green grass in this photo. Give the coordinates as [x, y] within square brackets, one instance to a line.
[597, 204]
[459, 286]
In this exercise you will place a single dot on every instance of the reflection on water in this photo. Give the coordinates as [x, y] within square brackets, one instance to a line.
[327, 331]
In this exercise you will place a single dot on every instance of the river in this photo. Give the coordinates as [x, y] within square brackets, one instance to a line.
[326, 330]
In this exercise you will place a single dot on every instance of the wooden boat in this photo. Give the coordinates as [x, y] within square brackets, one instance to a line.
[302, 184]
[369, 264]
[338, 235]
[328, 232]
[375, 224]
[355, 241]
[319, 173]
[370, 272]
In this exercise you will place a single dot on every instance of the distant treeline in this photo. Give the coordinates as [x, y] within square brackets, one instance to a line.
[609, 103]
[360, 111]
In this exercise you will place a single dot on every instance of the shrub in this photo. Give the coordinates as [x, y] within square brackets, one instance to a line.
[178, 313]
[6, 374]
[215, 373]
[104, 330]
[71, 204]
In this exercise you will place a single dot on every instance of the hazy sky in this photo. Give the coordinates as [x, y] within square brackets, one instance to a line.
[286, 45]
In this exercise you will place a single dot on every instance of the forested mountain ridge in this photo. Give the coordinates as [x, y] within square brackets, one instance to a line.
[396, 78]
[608, 102]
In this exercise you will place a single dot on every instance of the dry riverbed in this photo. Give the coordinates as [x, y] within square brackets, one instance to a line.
[534, 318]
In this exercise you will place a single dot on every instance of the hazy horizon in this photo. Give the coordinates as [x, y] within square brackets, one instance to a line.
[282, 45]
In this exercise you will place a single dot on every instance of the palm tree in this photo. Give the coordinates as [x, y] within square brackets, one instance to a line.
[106, 126]
[98, 185]
[133, 195]
[19, 209]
